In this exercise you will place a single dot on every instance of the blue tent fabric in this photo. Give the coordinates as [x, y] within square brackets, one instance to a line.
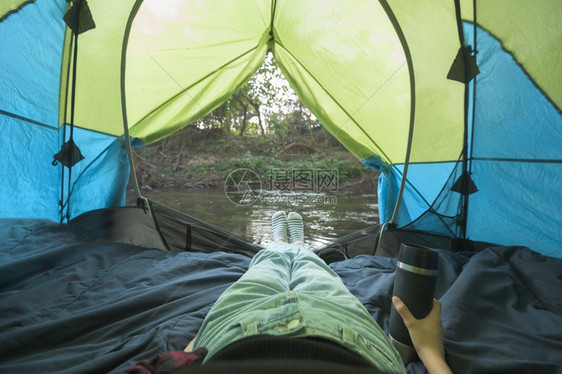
[32, 193]
[30, 62]
[424, 183]
[37, 190]
[515, 162]
[517, 156]
[100, 180]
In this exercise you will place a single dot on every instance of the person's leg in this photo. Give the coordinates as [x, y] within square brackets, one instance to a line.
[289, 290]
[330, 310]
[267, 276]
[269, 270]
[296, 228]
[279, 226]
[308, 271]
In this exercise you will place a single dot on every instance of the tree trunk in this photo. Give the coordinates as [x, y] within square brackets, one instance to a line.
[245, 109]
[260, 121]
[257, 109]
[244, 121]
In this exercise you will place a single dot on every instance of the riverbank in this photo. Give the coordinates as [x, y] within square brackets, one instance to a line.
[195, 158]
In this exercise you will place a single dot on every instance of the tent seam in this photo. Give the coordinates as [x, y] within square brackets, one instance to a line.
[29, 120]
[16, 10]
[520, 65]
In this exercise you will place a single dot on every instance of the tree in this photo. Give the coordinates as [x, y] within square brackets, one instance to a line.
[250, 101]
[268, 98]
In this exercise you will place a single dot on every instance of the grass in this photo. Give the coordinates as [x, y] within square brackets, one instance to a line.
[265, 165]
[208, 160]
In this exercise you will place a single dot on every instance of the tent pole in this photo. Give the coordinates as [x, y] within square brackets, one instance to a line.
[126, 135]
[408, 56]
[410, 64]
[147, 206]
[70, 46]
[465, 177]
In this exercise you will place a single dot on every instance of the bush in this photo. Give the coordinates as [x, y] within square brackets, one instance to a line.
[263, 165]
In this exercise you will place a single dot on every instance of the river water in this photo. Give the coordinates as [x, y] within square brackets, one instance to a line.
[327, 215]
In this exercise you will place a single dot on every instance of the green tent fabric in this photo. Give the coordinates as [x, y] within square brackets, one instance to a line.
[178, 68]
[375, 73]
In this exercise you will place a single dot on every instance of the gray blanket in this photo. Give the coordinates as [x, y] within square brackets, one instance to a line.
[70, 304]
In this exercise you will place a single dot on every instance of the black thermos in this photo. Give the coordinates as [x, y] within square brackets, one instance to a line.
[414, 283]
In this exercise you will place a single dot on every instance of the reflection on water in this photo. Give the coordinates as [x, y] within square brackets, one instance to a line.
[327, 216]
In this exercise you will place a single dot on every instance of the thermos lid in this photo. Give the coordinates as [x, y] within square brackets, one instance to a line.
[418, 256]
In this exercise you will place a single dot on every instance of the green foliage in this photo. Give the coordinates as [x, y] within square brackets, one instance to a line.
[195, 170]
[263, 165]
[345, 168]
[260, 165]
[196, 155]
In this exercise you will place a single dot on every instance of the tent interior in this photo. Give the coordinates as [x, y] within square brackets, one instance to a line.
[455, 102]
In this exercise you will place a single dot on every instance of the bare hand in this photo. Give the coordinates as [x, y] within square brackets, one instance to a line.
[426, 335]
